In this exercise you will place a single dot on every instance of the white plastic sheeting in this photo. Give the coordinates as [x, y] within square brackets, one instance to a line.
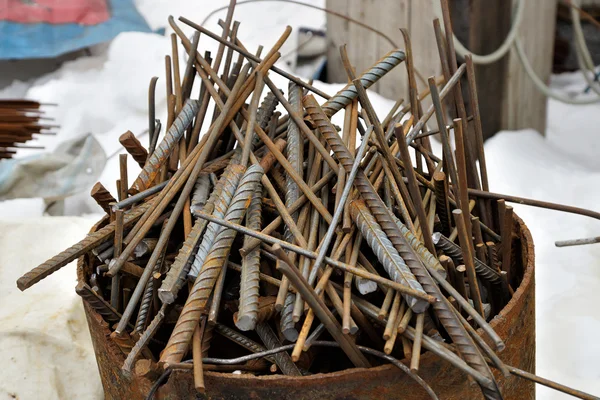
[106, 94]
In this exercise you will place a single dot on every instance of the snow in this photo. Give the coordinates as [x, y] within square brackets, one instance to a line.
[106, 94]
[567, 279]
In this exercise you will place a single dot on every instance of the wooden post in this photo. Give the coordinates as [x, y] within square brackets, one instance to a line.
[508, 98]
[489, 25]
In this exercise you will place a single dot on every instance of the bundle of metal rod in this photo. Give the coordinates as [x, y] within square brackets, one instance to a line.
[20, 120]
[244, 225]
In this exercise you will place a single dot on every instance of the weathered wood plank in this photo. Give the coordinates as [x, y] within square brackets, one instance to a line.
[365, 47]
[523, 106]
[507, 96]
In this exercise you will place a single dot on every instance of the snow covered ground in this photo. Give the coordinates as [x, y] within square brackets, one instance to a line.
[106, 94]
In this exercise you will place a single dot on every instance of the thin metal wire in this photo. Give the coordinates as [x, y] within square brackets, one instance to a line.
[249, 357]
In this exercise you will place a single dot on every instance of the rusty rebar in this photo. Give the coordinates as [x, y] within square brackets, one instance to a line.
[254, 58]
[196, 301]
[265, 310]
[217, 294]
[230, 180]
[249, 282]
[133, 146]
[102, 197]
[393, 264]
[383, 215]
[100, 305]
[506, 222]
[148, 296]
[330, 261]
[176, 275]
[483, 271]
[534, 203]
[345, 96]
[158, 158]
[467, 250]
[144, 339]
[242, 340]
[441, 198]
[283, 359]
[320, 310]
[340, 209]
[91, 241]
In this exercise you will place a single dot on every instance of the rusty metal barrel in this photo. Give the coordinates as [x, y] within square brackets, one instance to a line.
[515, 324]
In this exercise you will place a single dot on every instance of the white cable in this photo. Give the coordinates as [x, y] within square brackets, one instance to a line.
[579, 38]
[501, 51]
[584, 58]
[545, 89]
[542, 87]
[513, 41]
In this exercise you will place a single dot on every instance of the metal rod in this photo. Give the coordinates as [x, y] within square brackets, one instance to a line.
[324, 246]
[319, 308]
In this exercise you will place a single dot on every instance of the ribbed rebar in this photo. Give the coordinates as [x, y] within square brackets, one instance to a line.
[101, 306]
[200, 292]
[144, 339]
[145, 304]
[102, 197]
[453, 251]
[134, 147]
[464, 343]
[263, 115]
[200, 194]
[242, 340]
[283, 359]
[294, 154]
[266, 109]
[165, 148]
[147, 298]
[179, 270]
[345, 96]
[175, 278]
[91, 241]
[123, 342]
[229, 182]
[287, 324]
[387, 255]
[249, 282]
[292, 193]
[428, 259]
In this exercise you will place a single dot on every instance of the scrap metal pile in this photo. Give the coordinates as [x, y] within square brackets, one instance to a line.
[19, 121]
[281, 231]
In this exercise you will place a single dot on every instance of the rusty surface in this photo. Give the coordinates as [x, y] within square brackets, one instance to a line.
[102, 196]
[134, 147]
[19, 121]
[158, 158]
[515, 324]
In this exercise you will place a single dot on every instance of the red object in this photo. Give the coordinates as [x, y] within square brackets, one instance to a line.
[82, 12]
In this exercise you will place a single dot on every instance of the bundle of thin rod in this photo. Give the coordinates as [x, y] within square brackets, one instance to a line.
[273, 228]
[20, 120]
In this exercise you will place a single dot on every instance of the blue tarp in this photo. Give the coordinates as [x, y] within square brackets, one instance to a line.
[45, 40]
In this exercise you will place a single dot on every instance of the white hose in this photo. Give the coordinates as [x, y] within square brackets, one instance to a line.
[542, 87]
[585, 61]
[501, 51]
[584, 58]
